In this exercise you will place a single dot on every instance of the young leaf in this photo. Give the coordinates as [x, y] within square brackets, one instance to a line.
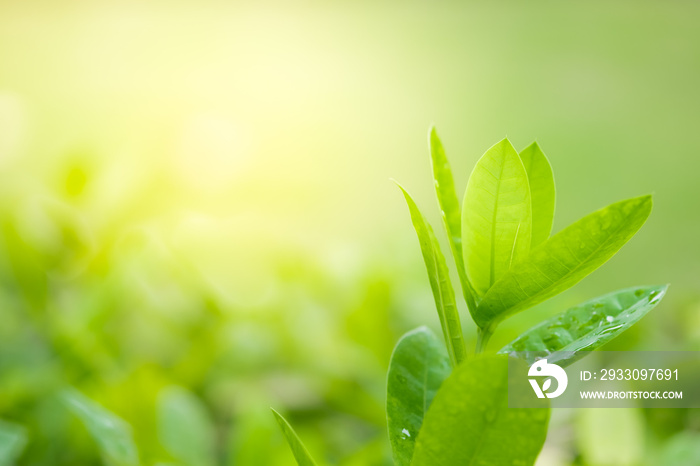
[439, 282]
[583, 328]
[418, 366]
[112, 434]
[541, 179]
[496, 216]
[185, 428]
[13, 439]
[563, 260]
[301, 454]
[451, 215]
[469, 421]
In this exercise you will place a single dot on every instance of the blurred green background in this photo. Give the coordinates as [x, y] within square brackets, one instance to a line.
[197, 194]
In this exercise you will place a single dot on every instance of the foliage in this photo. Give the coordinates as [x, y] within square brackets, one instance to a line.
[431, 389]
[418, 367]
[587, 326]
[111, 433]
[13, 439]
[469, 420]
[507, 262]
[185, 427]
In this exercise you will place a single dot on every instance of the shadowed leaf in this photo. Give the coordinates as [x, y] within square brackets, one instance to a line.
[418, 366]
[588, 326]
[469, 421]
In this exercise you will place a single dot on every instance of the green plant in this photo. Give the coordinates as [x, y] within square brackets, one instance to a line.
[446, 408]
[184, 428]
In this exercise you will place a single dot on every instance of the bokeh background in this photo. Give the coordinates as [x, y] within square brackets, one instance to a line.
[197, 194]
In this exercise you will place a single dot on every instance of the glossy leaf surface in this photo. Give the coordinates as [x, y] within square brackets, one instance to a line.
[451, 213]
[588, 326]
[185, 428]
[112, 434]
[301, 454]
[418, 367]
[563, 260]
[542, 193]
[496, 216]
[439, 282]
[469, 421]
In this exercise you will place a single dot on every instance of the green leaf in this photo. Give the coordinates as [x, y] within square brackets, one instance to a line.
[469, 421]
[418, 367]
[439, 282]
[13, 439]
[542, 193]
[563, 260]
[451, 214]
[300, 452]
[496, 216]
[185, 428]
[112, 434]
[588, 326]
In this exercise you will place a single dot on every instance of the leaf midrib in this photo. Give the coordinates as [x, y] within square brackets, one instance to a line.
[571, 271]
[492, 271]
[441, 307]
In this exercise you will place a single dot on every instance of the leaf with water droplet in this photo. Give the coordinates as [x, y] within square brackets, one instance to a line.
[457, 430]
[418, 367]
[557, 264]
[301, 454]
[587, 326]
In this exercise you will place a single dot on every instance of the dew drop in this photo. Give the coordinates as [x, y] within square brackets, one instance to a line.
[654, 297]
[609, 318]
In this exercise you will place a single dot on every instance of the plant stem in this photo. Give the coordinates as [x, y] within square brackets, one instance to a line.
[482, 338]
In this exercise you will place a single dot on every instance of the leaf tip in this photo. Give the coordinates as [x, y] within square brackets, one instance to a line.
[434, 143]
[506, 144]
[399, 186]
[533, 146]
[647, 201]
[278, 417]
